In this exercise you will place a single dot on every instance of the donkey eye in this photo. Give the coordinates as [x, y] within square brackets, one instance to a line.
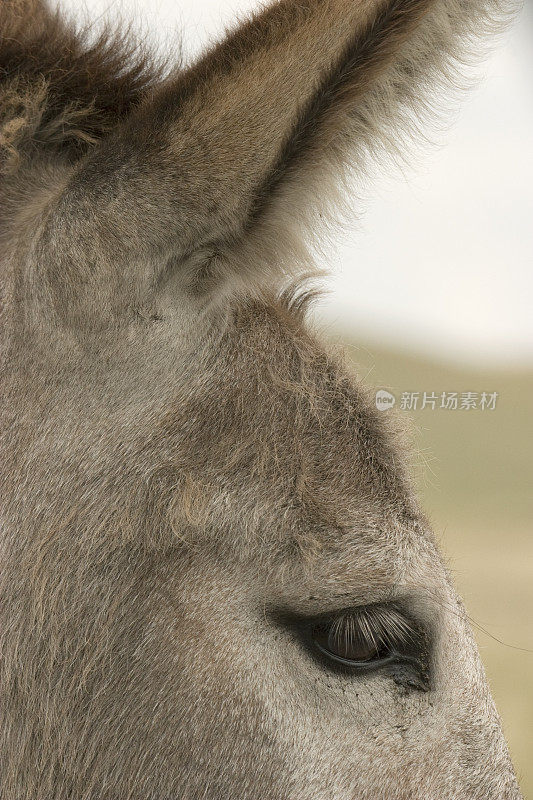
[364, 638]
[339, 643]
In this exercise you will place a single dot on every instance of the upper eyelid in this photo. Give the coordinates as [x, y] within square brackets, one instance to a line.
[414, 602]
[328, 604]
[416, 607]
[417, 616]
[394, 608]
[415, 634]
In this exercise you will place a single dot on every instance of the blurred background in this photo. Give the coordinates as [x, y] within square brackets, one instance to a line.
[432, 291]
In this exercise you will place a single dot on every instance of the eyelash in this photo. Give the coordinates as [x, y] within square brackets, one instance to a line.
[375, 626]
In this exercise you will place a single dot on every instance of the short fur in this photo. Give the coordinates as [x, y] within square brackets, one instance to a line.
[186, 470]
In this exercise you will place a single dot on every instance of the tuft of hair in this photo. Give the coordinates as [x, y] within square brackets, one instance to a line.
[63, 86]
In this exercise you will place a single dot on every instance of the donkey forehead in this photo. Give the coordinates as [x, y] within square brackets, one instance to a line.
[284, 437]
[274, 405]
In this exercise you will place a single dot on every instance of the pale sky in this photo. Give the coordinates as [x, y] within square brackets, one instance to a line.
[441, 258]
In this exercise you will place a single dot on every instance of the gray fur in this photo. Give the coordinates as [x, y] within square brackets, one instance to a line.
[184, 464]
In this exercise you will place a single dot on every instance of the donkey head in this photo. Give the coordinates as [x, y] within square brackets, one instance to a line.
[216, 581]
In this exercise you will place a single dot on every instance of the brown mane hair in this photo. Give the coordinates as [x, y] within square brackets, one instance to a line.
[62, 86]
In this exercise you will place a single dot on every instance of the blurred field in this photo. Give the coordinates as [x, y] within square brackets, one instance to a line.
[475, 473]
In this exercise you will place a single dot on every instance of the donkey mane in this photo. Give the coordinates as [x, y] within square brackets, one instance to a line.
[61, 87]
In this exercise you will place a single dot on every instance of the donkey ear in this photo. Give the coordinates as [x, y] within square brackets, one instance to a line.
[217, 160]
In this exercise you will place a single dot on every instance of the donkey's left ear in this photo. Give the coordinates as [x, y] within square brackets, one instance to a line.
[211, 170]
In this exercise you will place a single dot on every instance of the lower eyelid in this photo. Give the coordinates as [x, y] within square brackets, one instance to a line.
[406, 673]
